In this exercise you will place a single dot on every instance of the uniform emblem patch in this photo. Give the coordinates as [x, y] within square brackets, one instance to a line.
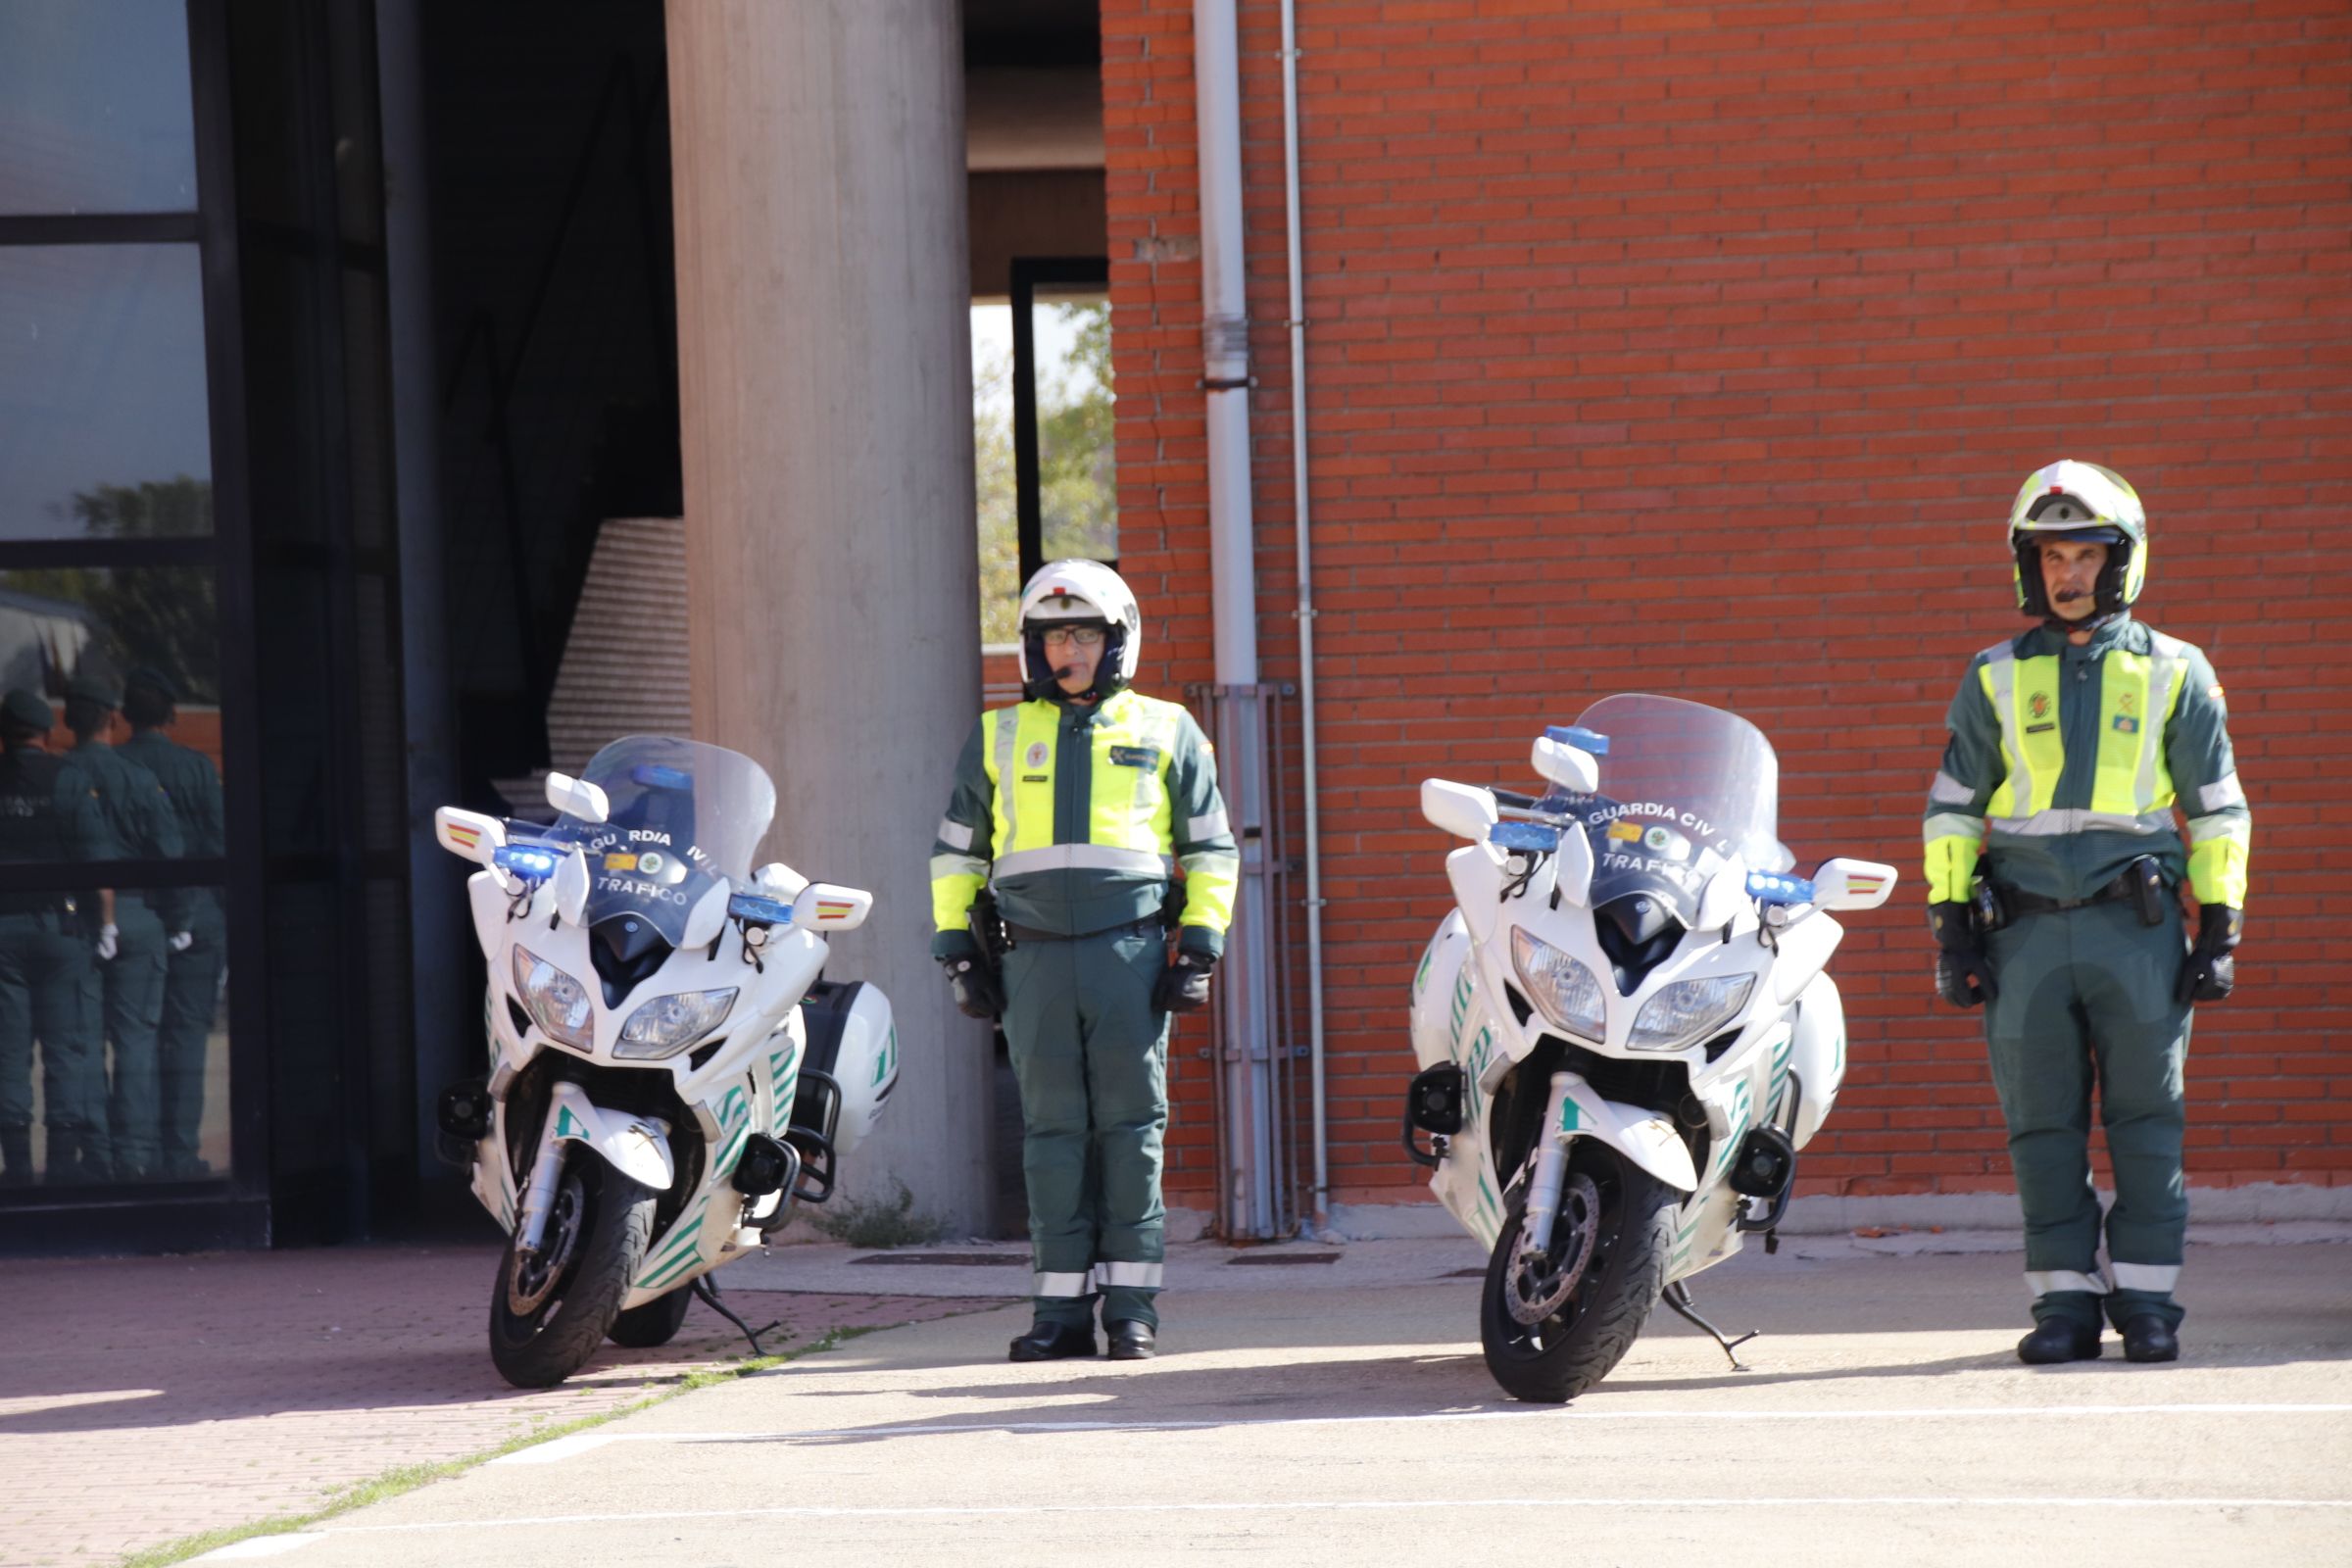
[1036, 757]
[2039, 705]
[2127, 723]
[1135, 757]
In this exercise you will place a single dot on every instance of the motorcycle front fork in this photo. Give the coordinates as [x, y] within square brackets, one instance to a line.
[1550, 1178]
[539, 1198]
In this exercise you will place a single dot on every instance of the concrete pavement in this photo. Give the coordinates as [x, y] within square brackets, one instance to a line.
[1340, 1412]
[143, 1399]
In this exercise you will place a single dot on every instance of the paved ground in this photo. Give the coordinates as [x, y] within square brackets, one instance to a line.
[1340, 1412]
[142, 1399]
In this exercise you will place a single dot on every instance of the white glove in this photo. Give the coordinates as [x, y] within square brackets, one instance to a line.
[181, 941]
[108, 942]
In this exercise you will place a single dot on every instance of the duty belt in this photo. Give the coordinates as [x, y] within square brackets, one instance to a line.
[1018, 934]
[2141, 882]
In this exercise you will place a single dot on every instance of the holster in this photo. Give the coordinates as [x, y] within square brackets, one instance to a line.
[1989, 910]
[2148, 892]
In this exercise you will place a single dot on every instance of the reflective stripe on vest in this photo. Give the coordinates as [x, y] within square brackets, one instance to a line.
[1128, 828]
[2131, 786]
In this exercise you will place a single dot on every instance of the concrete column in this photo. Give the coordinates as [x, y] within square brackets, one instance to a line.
[824, 355]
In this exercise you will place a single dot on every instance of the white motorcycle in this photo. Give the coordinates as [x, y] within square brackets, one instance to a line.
[1625, 1030]
[667, 1071]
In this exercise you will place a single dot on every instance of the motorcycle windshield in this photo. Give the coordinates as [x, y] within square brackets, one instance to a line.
[681, 817]
[1683, 790]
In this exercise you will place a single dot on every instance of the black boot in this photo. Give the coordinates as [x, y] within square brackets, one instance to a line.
[1053, 1342]
[2149, 1338]
[16, 1156]
[65, 1158]
[2059, 1339]
[1131, 1340]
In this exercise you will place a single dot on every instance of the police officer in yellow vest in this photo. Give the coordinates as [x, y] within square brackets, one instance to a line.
[2053, 860]
[1072, 810]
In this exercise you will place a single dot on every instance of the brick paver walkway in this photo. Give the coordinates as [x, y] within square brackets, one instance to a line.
[142, 1399]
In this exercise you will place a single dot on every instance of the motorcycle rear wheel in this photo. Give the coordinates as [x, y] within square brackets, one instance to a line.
[1557, 1358]
[655, 1323]
[543, 1329]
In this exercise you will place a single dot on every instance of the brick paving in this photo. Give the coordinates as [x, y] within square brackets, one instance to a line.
[142, 1399]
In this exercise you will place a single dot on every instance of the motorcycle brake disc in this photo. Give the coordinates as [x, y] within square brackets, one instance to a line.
[534, 1275]
[1538, 1284]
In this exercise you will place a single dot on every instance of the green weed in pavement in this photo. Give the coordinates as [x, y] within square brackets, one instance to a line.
[409, 1477]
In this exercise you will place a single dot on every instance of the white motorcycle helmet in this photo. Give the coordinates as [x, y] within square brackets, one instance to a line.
[2079, 501]
[1087, 593]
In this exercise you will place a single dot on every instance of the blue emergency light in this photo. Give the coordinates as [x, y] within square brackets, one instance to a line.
[1769, 887]
[759, 911]
[1575, 735]
[1523, 838]
[536, 862]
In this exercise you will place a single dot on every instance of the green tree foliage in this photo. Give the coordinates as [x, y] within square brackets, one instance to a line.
[999, 519]
[1077, 474]
[1077, 479]
[166, 617]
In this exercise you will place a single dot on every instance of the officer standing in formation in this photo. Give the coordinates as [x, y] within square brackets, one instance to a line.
[48, 990]
[1072, 810]
[192, 968]
[130, 818]
[2052, 865]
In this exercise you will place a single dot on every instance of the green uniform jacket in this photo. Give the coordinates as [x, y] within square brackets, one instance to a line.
[129, 815]
[193, 787]
[1076, 818]
[2066, 763]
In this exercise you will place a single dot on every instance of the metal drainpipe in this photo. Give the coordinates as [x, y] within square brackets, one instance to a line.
[1306, 614]
[1225, 341]
[1247, 1180]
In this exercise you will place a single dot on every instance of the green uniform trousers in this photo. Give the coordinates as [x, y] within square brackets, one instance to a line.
[132, 983]
[183, 1034]
[1090, 1057]
[2087, 994]
[44, 996]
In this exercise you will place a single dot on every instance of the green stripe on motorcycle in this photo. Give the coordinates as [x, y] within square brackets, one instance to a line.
[671, 1272]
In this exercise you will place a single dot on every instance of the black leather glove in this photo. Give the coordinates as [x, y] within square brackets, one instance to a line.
[1183, 986]
[2209, 972]
[979, 994]
[1963, 976]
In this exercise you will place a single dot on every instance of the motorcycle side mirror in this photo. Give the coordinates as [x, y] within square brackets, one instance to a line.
[570, 885]
[1459, 810]
[1571, 767]
[1843, 884]
[469, 835]
[776, 880]
[577, 798]
[826, 906]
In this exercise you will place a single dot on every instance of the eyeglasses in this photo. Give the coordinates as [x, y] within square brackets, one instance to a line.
[1076, 636]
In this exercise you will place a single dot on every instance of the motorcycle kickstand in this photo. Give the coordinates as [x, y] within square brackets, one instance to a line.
[1677, 1296]
[709, 1291]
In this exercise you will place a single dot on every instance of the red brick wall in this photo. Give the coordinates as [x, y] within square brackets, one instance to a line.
[1699, 350]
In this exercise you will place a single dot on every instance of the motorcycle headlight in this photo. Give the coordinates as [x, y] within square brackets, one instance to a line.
[1564, 989]
[1687, 1010]
[556, 1002]
[667, 1025]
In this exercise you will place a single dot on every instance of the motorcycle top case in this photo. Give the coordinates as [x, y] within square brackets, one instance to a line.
[852, 1040]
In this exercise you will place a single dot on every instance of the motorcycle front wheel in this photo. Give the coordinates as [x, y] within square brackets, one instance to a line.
[551, 1310]
[1613, 1234]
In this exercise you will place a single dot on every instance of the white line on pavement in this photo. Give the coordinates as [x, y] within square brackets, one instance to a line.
[580, 1443]
[1025, 1511]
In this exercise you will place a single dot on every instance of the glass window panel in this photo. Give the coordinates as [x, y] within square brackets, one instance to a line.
[94, 107]
[994, 475]
[1078, 492]
[133, 632]
[104, 430]
[113, 1071]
